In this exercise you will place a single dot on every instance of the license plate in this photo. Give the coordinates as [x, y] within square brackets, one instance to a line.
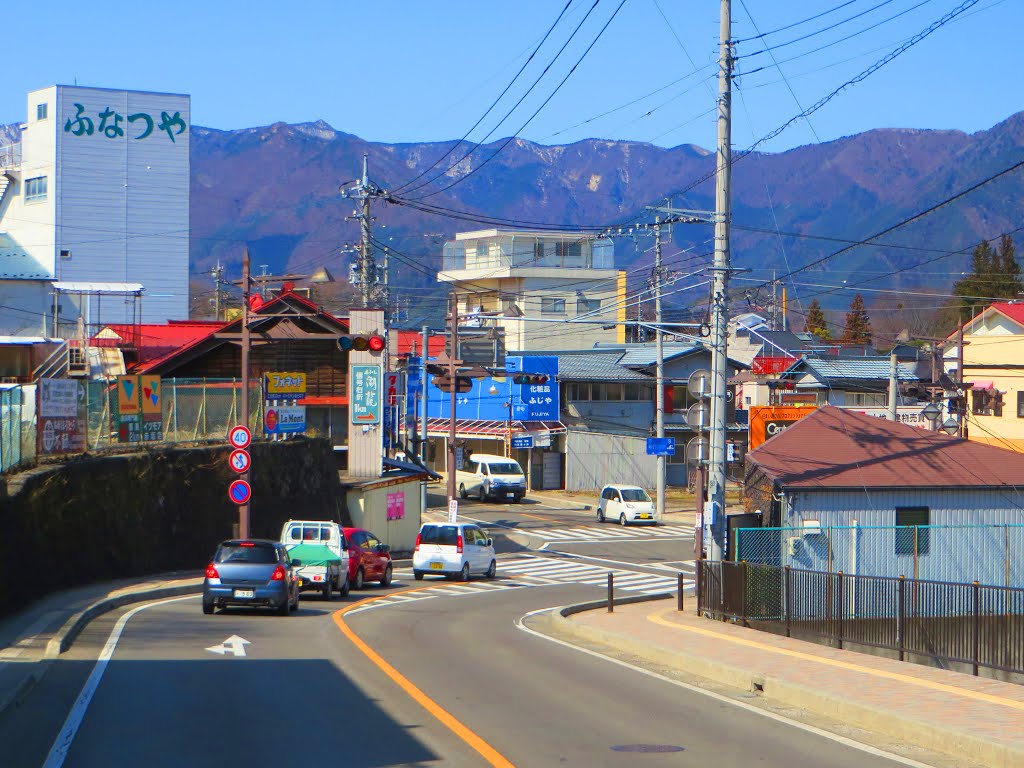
[510, 495]
[436, 566]
[318, 578]
[644, 517]
[244, 593]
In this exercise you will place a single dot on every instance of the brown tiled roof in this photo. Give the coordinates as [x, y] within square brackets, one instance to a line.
[838, 448]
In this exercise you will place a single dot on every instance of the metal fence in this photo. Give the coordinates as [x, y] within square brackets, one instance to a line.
[989, 554]
[192, 410]
[970, 626]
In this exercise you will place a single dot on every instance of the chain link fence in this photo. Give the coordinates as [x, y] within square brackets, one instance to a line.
[988, 554]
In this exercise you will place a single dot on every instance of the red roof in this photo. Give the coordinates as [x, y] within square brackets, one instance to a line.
[1013, 311]
[838, 448]
[435, 344]
[155, 341]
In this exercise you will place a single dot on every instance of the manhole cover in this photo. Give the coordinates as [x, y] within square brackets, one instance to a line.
[650, 748]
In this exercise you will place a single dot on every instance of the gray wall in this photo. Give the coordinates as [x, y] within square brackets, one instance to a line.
[595, 459]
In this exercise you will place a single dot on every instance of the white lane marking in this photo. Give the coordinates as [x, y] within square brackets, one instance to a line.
[234, 645]
[717, 696]
[61, 745]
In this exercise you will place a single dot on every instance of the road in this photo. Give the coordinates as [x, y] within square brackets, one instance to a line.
[423, 673]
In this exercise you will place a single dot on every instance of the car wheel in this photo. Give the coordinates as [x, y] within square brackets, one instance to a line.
[385, 580]
[493, 570]
[600, 515]
[462, 491]
[464, 576]
[208, 607]
[622, 519]
[359, 579]
[344, 588]
[482, 493]
[418, 575]
[284, 608]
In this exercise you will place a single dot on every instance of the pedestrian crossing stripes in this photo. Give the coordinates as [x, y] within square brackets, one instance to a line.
[609, 533]
[525, 571]
[559, 571]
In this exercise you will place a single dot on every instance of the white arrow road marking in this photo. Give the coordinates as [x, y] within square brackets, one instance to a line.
[233, 645]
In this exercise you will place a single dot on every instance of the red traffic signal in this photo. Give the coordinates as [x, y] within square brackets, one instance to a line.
[530, 378]
[371, 343]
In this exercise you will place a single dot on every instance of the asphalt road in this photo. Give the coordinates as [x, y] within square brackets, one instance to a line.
[454, 680]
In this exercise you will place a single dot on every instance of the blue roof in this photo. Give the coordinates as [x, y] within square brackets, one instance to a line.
[865, 368]
[596, 367]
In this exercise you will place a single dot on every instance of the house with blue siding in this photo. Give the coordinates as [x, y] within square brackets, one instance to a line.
[846, 491]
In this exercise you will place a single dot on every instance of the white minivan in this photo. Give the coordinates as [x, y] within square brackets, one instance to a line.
[626, 504]
[491, 477]
[453, 550]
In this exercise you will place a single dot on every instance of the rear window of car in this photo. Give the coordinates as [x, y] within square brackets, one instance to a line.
[236, 553]
[635, 494]
[505, 468]
[446, 535]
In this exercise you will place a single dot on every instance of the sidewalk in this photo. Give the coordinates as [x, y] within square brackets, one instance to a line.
[948, 712]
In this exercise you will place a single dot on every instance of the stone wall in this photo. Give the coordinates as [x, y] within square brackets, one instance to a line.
[98, 518]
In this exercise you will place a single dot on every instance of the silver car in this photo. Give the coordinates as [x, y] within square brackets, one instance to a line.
[251, 572]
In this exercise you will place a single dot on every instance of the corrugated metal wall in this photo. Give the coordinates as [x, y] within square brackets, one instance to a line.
[595, 459]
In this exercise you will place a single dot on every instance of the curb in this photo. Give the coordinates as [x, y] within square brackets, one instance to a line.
[66, 635]
[13, 697]
[915, 730]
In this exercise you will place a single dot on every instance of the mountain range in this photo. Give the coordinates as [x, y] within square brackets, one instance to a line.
[276, 190]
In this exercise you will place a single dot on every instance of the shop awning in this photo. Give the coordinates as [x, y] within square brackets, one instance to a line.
[439, 427]
[982, 385]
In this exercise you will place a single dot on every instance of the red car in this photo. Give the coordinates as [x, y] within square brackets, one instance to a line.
[368, 558]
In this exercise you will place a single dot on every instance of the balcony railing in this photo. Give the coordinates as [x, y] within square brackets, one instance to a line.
[10, 156]
[514, 251]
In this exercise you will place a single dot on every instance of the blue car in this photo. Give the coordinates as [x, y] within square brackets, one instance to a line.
[251, 572]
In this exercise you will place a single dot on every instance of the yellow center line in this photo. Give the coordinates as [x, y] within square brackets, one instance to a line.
[536, 517]
[485, 750]
[656, 618]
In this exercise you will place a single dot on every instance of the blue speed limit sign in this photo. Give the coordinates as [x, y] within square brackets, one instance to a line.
[239, 460]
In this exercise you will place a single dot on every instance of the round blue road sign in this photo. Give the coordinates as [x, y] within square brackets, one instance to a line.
[239, 436]
[239, 491]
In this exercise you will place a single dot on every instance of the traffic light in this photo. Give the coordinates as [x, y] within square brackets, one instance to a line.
[530, 378]
[361, 343]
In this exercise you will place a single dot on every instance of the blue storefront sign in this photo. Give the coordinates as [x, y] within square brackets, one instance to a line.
[523, 441]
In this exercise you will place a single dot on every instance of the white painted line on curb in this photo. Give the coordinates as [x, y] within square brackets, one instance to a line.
[719, 697]
[62, 744]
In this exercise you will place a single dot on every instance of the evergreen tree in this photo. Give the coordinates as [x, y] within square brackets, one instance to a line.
[858, 325]
[995, 276]
[816, 323]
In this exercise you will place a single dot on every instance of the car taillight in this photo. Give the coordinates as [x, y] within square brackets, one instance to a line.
[278, 573]
[458, 544]
[211, 572]
[417, 548]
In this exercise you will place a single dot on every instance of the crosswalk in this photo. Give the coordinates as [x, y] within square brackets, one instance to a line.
[531, 571]
[610, 533]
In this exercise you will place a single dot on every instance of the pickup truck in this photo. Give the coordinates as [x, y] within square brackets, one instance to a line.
[323, 550]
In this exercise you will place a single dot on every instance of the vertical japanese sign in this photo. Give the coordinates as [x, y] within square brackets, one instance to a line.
[390, 409]
[139, 408]
[365, 401]
[60, 416]
[152, 408]
[396, 505]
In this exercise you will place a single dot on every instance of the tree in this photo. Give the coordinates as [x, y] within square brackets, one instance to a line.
[815, 322]
[995, 275]
[858, 325]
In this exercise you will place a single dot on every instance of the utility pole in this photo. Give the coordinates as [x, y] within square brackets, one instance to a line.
[893, 384]
[454, 325]
[659, 369]
[218, 292]
[720, 285]
[365, 190]
[423, 417]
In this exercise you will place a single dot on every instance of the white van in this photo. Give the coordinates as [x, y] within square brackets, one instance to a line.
[491, 477]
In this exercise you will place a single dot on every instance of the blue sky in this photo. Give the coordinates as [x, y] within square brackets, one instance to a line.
[413, 70]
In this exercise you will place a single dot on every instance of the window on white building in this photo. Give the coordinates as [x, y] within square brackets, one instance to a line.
[41, 111]
[587, 305]
[35, 189]
[552, 305]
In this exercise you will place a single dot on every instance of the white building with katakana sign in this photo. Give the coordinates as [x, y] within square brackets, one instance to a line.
[94, 211]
